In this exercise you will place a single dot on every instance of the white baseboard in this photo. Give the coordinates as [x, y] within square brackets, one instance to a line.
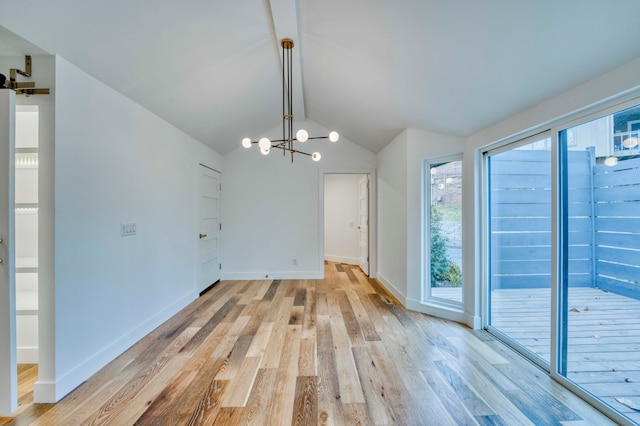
[51, 392]
[392, 289]
[473, 321]
[45, 392]
[341, 259]
[26, 355]
[274, 275]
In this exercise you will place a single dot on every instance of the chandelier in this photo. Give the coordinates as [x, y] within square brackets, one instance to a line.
[288, 138]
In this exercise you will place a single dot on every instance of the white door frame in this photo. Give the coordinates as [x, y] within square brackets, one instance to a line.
[8, 352]
[373, 217]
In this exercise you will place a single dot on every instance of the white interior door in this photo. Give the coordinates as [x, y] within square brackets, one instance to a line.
[363, 224]
[8, 358]
[209, 263]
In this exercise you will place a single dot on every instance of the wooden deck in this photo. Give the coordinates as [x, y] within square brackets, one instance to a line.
[604, 338]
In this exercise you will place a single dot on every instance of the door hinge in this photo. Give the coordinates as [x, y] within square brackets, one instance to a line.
[220, 267]
[220, 226]
[220, 187]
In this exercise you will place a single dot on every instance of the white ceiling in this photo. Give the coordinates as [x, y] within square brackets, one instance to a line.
[368, 68]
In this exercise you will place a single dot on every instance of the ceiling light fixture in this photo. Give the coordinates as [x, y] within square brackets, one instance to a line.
[611, 161]
[288, 137]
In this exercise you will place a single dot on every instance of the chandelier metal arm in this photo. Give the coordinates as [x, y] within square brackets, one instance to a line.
[288, 135]
[284, 148]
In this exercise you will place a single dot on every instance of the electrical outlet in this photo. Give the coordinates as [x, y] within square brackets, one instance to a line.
[127, 229]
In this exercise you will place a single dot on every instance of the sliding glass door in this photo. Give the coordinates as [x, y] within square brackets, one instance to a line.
[562, 233]
[599, 312]
[519, 234]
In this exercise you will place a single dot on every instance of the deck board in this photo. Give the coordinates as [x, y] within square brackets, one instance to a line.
[603, 337]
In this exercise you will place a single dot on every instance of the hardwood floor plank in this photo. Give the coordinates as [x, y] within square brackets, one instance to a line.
[209, 405]
[280, 317]
[228, 341]
[235, 358]
[350, 322]
[470, 398]
[366, 325]
[260, 340]
[284, 394]
[357, 414]
[448, 398]
[322, 308]
[305, 405]
[334, 351]
[229, 416]
[188, 402]
[137, 406]
[300, 297]
[330, 406]
[296, 315]
[166, 399]
[241, 384]
[374, 388]
[350, 387]
[216, 319]
[257, 408]
[310, 313]
[271, 292]
[307, 363]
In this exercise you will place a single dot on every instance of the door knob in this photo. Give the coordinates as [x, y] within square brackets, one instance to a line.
[203, 236]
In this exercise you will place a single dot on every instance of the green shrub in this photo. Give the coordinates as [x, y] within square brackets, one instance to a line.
[454, 275]
[439, 260]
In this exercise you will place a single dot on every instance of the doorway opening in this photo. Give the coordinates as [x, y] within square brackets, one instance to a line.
[347, 221]
[26, 244]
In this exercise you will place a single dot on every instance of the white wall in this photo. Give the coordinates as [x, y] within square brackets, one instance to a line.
[271, 208]
[341, 218]
[116, 162]
[392, 216]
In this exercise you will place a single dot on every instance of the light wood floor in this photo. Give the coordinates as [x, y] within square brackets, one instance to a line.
[334, 351]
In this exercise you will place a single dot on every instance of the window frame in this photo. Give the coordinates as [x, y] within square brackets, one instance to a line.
[426, 296]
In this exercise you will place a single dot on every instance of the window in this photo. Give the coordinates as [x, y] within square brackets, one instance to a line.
[443, 230]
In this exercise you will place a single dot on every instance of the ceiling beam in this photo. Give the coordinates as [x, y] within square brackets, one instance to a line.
[284, 14]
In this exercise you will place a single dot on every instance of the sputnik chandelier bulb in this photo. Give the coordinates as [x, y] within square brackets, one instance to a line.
[288, 137]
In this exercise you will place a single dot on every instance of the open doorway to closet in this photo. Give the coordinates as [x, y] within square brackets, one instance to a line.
[347, 219]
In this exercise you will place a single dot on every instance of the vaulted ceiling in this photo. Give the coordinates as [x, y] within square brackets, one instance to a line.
[367, 68]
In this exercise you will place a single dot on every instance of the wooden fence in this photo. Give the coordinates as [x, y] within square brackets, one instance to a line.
[520, 228]
[617, 227]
